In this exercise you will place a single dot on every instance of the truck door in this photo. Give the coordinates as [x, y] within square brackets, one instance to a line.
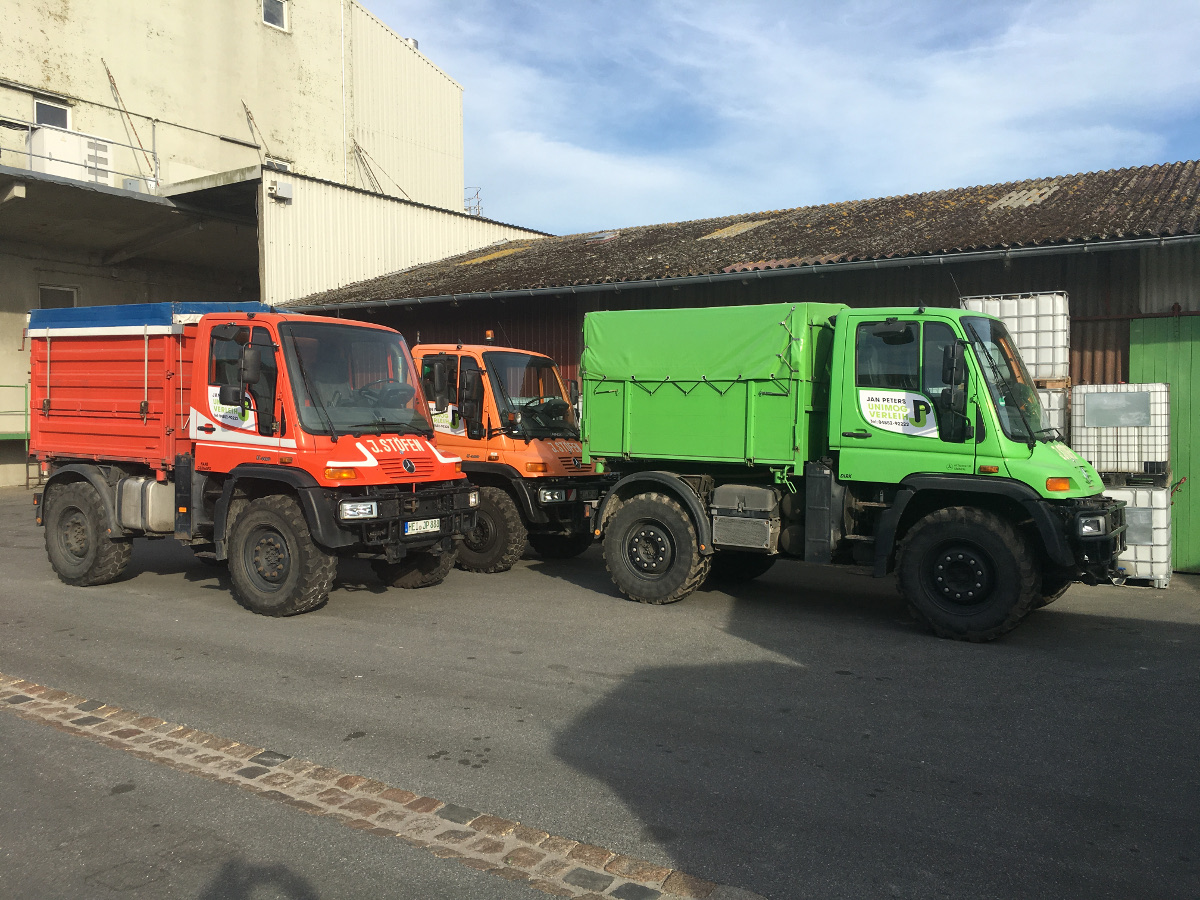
[258, 420]
[895, 418]
[448, 421]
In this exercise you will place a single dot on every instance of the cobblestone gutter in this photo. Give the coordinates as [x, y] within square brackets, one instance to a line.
[547, 863]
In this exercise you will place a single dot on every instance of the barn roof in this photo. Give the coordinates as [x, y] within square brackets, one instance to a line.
[1066, 212]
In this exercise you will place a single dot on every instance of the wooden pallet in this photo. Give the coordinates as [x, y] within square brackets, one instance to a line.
[1053, 384]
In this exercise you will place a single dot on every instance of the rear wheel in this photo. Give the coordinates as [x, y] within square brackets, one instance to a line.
[560, 546]
[275, 566]
[736, 566]
[967, 574]
[417, 570]
[651, 550]
[498, 538]
[77, 540]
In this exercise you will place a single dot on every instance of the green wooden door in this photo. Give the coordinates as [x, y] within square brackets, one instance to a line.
[1168, 350]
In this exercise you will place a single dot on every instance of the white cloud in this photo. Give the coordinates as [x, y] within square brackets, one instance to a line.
[580, 116]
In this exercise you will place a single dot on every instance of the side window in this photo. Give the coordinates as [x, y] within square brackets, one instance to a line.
[451, 363]
[263, 391]
[225, 359]
[938, 336]
[887, 355]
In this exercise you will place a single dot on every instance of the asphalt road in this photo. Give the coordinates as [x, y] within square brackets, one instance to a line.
[798, 737]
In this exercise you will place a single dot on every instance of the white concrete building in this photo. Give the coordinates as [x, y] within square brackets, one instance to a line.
[230, 149]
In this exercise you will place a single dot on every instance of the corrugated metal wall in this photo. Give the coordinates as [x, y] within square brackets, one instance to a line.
[328, 236]
[1104, 289]
[407, 115]
[1171, 275]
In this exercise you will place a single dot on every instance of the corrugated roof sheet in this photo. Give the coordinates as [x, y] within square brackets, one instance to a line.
[1151, 201]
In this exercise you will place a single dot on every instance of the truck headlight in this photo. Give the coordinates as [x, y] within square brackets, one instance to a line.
[1092, 526]
[473, 498]
[358, 509]
[552, 495]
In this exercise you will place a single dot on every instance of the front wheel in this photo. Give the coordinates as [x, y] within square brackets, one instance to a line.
[967, 574]
[651, 550]
[416, 570]
[1055, 583]
[77, 541]
[560, 546]
[275, 566]
[498, 538]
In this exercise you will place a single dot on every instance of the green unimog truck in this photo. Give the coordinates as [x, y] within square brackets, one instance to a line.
[897, 439]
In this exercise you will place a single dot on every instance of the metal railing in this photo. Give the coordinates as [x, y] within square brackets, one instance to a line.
[92, 167]
[14, 423]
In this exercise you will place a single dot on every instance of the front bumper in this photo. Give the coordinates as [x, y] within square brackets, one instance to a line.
[1095, 532]
[563, 505]
[390, 531]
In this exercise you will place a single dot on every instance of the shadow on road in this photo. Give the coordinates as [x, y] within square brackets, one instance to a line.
[861, 757]
[241, 880]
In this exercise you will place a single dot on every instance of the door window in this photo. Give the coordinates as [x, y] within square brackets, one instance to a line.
[899, 364]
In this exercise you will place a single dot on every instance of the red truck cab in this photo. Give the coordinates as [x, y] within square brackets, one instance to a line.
[275, 442]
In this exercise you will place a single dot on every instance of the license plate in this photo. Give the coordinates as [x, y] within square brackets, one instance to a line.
[422, 526]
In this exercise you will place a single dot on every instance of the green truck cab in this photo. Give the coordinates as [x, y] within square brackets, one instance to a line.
[907, 441]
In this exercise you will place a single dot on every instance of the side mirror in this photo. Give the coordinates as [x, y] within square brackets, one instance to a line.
[251, 365]
[441, 388]
[231, 395]
[573, 392]
[954, 366]
[475, 430]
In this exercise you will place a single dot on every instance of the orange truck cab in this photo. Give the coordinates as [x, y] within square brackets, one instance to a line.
[521, 448]
[273, 442]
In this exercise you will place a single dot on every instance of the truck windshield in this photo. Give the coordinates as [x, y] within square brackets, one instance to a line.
[1013, 391]
[352, 380]
[529, 395]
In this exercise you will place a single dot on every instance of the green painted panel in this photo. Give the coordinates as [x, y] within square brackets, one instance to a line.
[1168, 350]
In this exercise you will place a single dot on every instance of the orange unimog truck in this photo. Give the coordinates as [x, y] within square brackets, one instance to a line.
[522, 451]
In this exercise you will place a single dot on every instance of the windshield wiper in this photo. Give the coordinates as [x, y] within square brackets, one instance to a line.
[312, 393]
[383, 426]
[1004, 385]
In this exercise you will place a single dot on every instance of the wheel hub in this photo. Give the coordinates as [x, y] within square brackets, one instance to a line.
[75, 535]
[961, 575]
[271, 558]
[649, 549]
[479, 537]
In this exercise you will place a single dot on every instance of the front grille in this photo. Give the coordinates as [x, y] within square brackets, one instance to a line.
[394, 468]
[574, 464]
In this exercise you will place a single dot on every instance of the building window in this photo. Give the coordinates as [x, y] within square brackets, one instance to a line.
[52, 114]
[275, 13]
[56, 297]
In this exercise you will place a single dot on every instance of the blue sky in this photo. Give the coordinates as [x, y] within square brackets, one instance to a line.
[586, 115]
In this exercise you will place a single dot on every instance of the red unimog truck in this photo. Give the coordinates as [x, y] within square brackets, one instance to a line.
[522, 451]
[276, 443]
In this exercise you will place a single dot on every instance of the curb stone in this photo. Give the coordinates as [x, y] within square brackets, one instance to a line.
[552, 865]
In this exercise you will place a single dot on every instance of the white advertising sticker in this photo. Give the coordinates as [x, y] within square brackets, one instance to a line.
[904, 412]
[240, 417]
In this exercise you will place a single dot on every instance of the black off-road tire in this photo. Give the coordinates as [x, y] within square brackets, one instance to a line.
[498, 538]
[276, 568]
[417, 570]
[1055, 583]
[738, 566]
[560, 546]
[968, 574]
[80, 549]
[651, 550]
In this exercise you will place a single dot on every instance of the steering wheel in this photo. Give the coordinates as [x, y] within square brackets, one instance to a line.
[387, 389]
[547, 407]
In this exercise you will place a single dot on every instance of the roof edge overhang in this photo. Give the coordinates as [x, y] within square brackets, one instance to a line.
[933, 259]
